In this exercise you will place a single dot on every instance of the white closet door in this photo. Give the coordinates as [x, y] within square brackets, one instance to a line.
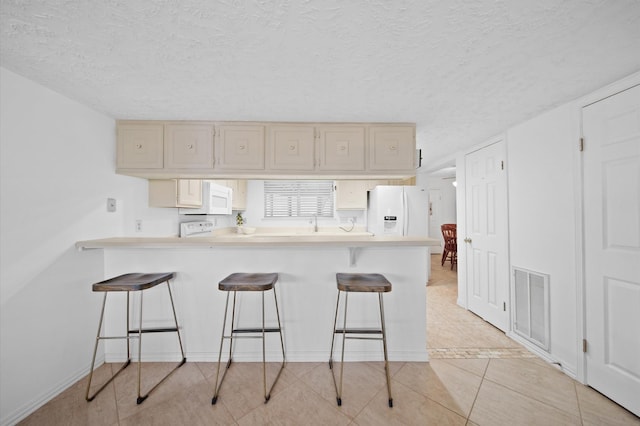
[611, 130]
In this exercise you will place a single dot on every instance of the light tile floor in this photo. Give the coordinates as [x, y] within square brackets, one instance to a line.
[509, 387]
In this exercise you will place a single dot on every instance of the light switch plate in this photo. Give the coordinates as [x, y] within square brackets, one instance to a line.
[111, 205]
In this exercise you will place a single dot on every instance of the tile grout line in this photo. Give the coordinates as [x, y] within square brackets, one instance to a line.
[433, 400]
[534, 398]
[115, 398]
[575, 389]
[484, 373]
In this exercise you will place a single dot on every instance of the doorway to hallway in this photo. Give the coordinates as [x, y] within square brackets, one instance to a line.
[452, 331]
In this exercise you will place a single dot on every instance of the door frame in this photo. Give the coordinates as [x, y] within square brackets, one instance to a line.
[581, 320]
[461, 209]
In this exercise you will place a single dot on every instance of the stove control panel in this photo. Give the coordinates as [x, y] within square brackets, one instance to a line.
[196, 229]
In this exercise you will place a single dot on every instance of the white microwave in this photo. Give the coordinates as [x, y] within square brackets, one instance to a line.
[216, 199]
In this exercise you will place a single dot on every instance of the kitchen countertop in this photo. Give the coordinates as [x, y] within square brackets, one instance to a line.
[319, 239]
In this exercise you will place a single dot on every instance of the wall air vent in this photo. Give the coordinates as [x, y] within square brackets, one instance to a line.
[531, 307]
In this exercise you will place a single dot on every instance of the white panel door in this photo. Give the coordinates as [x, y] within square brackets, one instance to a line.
[611, 130]
[486, 239]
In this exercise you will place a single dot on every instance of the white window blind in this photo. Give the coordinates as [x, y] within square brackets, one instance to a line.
[298, 198]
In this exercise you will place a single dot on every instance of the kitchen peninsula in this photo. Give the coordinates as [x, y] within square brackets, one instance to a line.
[306, 263]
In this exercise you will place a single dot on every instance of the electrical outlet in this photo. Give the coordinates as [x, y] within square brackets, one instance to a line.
[138, 225]
[111, 205]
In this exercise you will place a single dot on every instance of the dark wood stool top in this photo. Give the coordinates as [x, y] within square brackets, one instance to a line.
[134, 281]
[363, 283]
[241, 281]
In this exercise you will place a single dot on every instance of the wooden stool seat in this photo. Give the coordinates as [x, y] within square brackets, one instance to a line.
[241, 281]
[137, 282]
[363, 283]
[133, 281]
[248, 282]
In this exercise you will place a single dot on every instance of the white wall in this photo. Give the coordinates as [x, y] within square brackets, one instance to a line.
[57, 171]
[540, 157]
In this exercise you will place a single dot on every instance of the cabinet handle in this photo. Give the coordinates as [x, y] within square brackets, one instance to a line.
[138, 146]
[393, 148]
[190, 146]
[467, 240]
[291, 147]
[242, 147]
[342, 148]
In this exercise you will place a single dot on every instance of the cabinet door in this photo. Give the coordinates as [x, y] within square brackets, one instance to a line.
[188, 146]
[189, 193]
[392, 148]
[239, 195]
[139, 146]
[239, 188]
[240, 147]
[342, 148]
[175, 193]
[351, 194]
[291, 147]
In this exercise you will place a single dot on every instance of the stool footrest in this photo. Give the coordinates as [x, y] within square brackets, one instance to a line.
[358, 331]
[255, 330]
[154, 330]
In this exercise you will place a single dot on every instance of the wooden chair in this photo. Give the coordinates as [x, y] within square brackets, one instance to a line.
[450, 250]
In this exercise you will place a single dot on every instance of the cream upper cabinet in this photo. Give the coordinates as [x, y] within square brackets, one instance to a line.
[140, 146]
[341, 148]
[175, 193]
[239, 188]
[239, 147]
[291, 147]
[265, 150]
[391, 147]
[188, 146]
[351, 194]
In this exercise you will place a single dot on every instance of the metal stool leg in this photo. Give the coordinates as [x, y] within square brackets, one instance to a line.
[344, 337]
[142, 398]
[267, 396]
[128, 328]
[216, 388]
[384, 346]
[275, 298]
[333, 335]
[95, 351]
[175, 318]
[264, 361]
[337, 386]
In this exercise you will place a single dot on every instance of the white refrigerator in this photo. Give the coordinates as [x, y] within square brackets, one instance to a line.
[398, 210]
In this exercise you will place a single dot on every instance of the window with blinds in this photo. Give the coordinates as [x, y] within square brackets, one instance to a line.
[298, 198]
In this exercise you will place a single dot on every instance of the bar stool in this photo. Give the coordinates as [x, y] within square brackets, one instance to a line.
[359, 283]
[248, 282]
[133, 282]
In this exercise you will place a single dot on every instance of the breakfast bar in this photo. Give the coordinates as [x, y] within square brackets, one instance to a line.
[307, 265]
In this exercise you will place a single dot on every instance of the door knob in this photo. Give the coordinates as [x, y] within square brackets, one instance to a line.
[467, 240]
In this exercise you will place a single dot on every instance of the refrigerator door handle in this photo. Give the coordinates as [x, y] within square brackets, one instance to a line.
[405, 213]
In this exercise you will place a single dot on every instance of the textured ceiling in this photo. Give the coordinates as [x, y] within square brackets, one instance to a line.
[462, 70]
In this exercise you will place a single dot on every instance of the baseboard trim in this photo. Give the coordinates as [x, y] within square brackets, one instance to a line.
[571, 372]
